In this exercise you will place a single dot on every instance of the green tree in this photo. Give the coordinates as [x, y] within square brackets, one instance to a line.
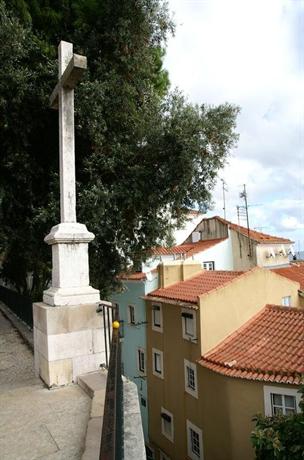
[142, 153]
[280, 437]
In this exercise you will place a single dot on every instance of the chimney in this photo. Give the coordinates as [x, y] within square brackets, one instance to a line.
[178, 270]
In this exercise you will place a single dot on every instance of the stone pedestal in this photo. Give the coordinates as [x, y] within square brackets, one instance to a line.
[70, 266]
[69, 341]
[68, 333]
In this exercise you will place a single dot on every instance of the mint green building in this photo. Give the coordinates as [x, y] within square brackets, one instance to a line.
[132, 312]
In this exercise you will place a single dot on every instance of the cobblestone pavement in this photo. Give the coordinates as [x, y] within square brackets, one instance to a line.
[36, 423]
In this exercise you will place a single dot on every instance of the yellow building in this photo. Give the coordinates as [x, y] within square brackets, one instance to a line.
[197, 408]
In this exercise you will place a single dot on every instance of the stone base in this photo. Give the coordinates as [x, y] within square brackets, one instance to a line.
[71, 296]
[68, 342]
[70, 272]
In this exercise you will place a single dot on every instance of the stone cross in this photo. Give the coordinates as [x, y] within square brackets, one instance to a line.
[71, 69]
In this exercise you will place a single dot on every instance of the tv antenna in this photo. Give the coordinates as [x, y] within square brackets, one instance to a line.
[243, 211]
[224, 187]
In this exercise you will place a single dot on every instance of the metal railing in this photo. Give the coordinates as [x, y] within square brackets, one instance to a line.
[112, 426]
[20, 304]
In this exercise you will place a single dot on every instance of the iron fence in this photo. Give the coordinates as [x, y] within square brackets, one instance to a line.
[20, 304]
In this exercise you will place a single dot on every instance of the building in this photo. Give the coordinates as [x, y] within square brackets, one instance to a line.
[248, 248]
[214, 254]
[294, 272]
[132, 312]
[192, 408]
[259, 369]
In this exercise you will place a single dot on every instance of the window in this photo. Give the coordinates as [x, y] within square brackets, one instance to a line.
[190, 378]
[163, 456]
[131, 314]
[141, 360]
[167, 426]
[283, 404]
[149, 453]
[157, 362]
[208, 265]
[194, 441]
[189, 324]
[286, 301]
[282, 401]
[157, 318]
[143, 402]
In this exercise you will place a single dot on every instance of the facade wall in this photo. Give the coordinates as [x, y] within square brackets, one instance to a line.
[280, 259]
[221, 254]
[240, 250]
[169, 392]
[226, 309]
[173, 272]
[224, 407]
[210, 229]
[224, 412]
[135, 336]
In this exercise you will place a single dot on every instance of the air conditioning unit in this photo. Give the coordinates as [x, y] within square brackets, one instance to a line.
[196, 237]
[270, 253]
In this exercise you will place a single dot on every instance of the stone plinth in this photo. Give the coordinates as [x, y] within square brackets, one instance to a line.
[68, 340]
[70, 266]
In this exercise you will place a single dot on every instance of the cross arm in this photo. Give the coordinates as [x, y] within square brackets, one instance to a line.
[70, 77]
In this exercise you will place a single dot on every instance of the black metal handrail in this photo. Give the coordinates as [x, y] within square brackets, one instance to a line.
[112, 426]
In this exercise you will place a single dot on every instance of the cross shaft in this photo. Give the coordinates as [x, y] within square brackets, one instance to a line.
[71, 69]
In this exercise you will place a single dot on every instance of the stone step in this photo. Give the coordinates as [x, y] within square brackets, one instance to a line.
[94, 384]
[93, 381]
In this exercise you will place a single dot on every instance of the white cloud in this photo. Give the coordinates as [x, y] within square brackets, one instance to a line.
[250, 53]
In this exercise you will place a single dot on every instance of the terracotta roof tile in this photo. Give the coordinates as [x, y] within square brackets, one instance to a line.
[259, 237]
[294, 272]
[189, 290]
[135, 276]
[269, 347]
[188, 249]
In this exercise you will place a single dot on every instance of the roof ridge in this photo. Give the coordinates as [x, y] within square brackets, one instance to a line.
[225, 221]
[293, 310]
[235, 332]
[268, 347]
[242, 273]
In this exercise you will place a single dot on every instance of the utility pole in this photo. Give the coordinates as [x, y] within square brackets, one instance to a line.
[224, 185]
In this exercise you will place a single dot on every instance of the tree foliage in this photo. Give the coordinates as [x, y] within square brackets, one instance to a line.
[142, 153]
[279, 437]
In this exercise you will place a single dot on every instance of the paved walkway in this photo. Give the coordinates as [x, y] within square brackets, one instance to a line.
[36, 423]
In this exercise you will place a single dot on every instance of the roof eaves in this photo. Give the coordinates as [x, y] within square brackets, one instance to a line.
[180, 303]
[253, 374]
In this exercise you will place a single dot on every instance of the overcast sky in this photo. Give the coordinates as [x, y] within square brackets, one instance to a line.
[250, 53]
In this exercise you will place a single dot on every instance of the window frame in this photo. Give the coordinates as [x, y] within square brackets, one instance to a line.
[131, 320]
[270, 390]
[158, 327]
[284, 298]
[191, 391]
[199, 432]
[154, 371]
[169, 414]
[141, 352]
[186, 335]
[163, 456]
[209, 262]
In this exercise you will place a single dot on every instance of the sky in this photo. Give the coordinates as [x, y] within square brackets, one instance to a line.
[250, 53]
